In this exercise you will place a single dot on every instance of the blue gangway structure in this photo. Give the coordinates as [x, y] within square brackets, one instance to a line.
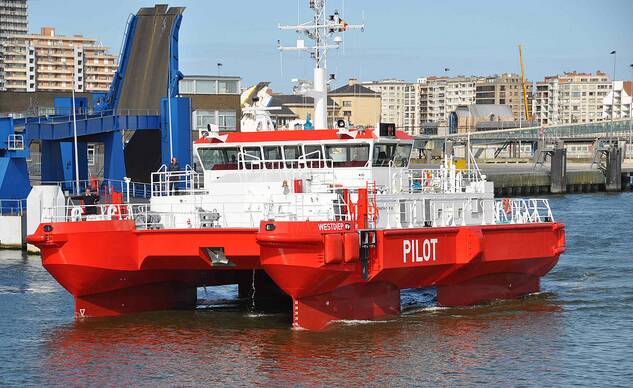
[141, 121]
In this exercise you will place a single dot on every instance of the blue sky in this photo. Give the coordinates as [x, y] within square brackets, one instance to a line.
[403, 39]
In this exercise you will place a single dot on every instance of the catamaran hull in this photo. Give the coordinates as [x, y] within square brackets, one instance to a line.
[467, 265]
[331, 271]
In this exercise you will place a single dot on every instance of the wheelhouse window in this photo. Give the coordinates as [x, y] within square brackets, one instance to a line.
[313, 152]
[292, 153]
[314, 156]
[402, 155]
[272, 153]
[251, 157]
[224, 158]
[273, 157]
[252, 153]
[356, 155]
[397, 154]
[383, 154]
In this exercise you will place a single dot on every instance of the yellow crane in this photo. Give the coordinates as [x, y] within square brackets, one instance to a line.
[525, 98]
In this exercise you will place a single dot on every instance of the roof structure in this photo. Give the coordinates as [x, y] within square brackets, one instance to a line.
[353, 90]
[295, 135]
[295, 100]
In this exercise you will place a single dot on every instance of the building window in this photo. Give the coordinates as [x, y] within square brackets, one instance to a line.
[186, 86]
[347, 103]
[204, 118]
[227, 121]
[206, 87]
[227, 87]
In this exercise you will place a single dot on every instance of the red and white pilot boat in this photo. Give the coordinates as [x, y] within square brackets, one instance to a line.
[335, 218]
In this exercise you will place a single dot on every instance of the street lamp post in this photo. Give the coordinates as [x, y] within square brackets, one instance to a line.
[75, 139]
[219, 67]
[631, 107]
[612, 89]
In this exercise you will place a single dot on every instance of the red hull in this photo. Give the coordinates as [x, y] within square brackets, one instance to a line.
[111, 268]
[468, 265]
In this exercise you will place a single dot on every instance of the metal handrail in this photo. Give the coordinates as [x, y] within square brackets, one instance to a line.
[181, 182]
[107, 186]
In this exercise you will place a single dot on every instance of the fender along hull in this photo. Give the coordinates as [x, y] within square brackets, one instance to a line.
[331, 270]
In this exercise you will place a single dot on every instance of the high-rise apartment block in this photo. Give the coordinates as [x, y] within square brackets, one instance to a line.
[571, 98]
[439, 96]
[49, 62]
[13, 20]
[504, 89]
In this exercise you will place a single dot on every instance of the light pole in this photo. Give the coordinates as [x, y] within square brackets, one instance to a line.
[75, 139]
[612, 87]
[219, 67]
[631, 107]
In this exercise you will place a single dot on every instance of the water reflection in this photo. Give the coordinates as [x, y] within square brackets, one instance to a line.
[228, 347]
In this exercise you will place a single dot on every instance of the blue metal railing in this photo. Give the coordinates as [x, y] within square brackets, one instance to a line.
[12, 207]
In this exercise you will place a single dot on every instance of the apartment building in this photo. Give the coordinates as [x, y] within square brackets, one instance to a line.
[439, 96]
[504, 89]
[571, 98]
[392, 94]
[619, 101]
[13, 20]
[358, 104]
[50, 62]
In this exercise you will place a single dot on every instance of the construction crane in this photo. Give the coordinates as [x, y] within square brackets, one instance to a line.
[523, 85]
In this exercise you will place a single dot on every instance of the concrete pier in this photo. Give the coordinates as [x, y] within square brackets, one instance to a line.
[515, 179]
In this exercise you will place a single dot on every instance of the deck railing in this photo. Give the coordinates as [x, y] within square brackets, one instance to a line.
[128, 188]
[181, 182]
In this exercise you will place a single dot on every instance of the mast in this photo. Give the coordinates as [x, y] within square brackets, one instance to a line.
[324, 32]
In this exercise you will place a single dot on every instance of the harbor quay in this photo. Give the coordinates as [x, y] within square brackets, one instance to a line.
[520, 177]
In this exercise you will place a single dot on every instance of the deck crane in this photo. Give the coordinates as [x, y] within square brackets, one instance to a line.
[523, 85]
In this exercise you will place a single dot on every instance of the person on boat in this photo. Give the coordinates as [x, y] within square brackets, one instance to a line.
[173, 179]
[89, 201]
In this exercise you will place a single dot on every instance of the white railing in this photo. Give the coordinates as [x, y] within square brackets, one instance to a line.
[127, 187]
[238, 211]
[435, 181]
[522, 211]
[182, 182]
[395, 212]
[15, 142]
[242, 211]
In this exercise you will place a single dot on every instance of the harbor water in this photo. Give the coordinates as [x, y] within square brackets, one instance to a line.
[577, 331]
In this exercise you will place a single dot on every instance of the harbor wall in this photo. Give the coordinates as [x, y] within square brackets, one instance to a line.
[511, 183]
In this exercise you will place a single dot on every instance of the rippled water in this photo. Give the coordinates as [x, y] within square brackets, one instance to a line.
[578, 331]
